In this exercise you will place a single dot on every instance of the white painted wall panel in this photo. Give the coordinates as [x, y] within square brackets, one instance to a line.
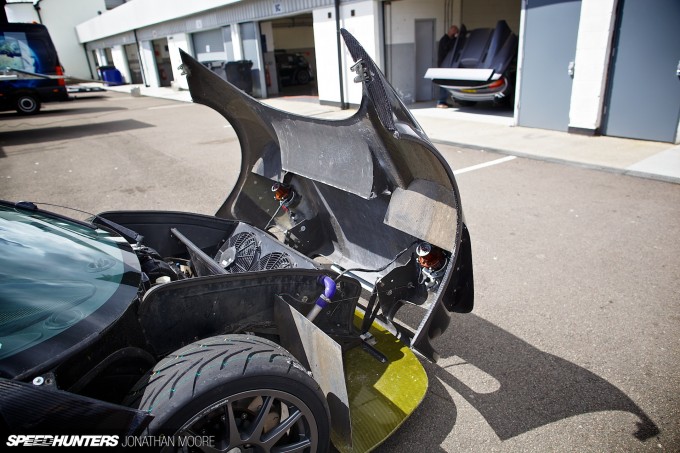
[326, 55]
[21, 12]
[364, 25]
[593, 47]
[120, 62]
[404, 14]
[141, 13]
[267, 30]
[365, 28]
[236, 41]
[146, 56]
[175, 43]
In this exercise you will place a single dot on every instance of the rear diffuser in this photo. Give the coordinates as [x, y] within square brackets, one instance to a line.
[384, 381]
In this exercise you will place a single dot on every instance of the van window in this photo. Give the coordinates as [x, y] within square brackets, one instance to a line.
[17, 52]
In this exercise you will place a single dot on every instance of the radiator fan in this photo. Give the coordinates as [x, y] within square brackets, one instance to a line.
[275, 260]
[239, 254]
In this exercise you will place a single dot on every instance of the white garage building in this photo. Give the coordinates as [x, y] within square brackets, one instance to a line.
[583, 65]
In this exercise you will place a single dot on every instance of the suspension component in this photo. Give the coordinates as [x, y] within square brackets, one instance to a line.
[432, 261]
[285, 195]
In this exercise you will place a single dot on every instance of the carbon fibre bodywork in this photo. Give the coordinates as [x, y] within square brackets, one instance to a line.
[369, 186]
[330, 230]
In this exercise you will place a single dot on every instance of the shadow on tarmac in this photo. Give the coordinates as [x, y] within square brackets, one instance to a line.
[536, 388]
[514, 386]
[49, 134]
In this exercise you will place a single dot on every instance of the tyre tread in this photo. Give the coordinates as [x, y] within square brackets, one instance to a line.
[229, 349]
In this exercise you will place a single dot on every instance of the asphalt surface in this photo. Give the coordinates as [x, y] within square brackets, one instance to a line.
[574, 343]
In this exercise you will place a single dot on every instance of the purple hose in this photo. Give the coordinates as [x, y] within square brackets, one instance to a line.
[328, 292]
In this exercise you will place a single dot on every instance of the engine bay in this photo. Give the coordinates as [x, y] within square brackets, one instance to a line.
[178, 248]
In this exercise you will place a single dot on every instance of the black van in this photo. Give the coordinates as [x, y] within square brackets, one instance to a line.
[29, 68]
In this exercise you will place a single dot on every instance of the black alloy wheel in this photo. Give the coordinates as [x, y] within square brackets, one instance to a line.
[242, 392]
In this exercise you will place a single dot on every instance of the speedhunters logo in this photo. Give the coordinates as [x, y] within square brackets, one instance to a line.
[35, 440]
[46, 440]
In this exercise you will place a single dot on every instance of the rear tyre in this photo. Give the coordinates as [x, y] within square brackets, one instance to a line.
[27, 104]
[246, 392]
[302, 77]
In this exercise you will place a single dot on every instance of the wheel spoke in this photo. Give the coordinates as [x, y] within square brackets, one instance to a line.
[277, 432]
[260, 419]
[292, 448]
[233, 433]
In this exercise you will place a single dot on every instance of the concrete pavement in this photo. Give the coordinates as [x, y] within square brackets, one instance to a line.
[492, 130]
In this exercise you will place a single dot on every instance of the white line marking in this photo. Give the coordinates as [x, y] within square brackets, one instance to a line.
[485, 164]
[168, 106]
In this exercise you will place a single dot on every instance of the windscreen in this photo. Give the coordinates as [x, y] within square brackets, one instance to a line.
[53, 273]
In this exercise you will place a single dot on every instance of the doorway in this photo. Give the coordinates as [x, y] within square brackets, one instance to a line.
[163, 64]
[132, 55]
[425, 58]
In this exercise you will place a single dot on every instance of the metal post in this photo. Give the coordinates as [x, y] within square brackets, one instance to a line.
[343, 104]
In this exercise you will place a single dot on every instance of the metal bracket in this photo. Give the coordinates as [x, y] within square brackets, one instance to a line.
[363, 75]
[570, 69]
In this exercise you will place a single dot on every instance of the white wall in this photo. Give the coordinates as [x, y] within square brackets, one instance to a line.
[21, 12]
[120, 62]
[146, 56]
[268, 57]
[404, 14]
[101, 58]
[595, 33]
[326, 55]
[400, 40]
[267, 30]
[236, 42]
[139, 14]
[365, 27]
[175, 43]
[61, 26]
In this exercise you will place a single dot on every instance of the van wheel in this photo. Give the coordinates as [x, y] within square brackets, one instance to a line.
[27, 104]
[244, 392]
[302, 77]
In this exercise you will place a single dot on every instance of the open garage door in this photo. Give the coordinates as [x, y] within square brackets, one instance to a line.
[214, 49]
[162, 58]
[290, 56]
